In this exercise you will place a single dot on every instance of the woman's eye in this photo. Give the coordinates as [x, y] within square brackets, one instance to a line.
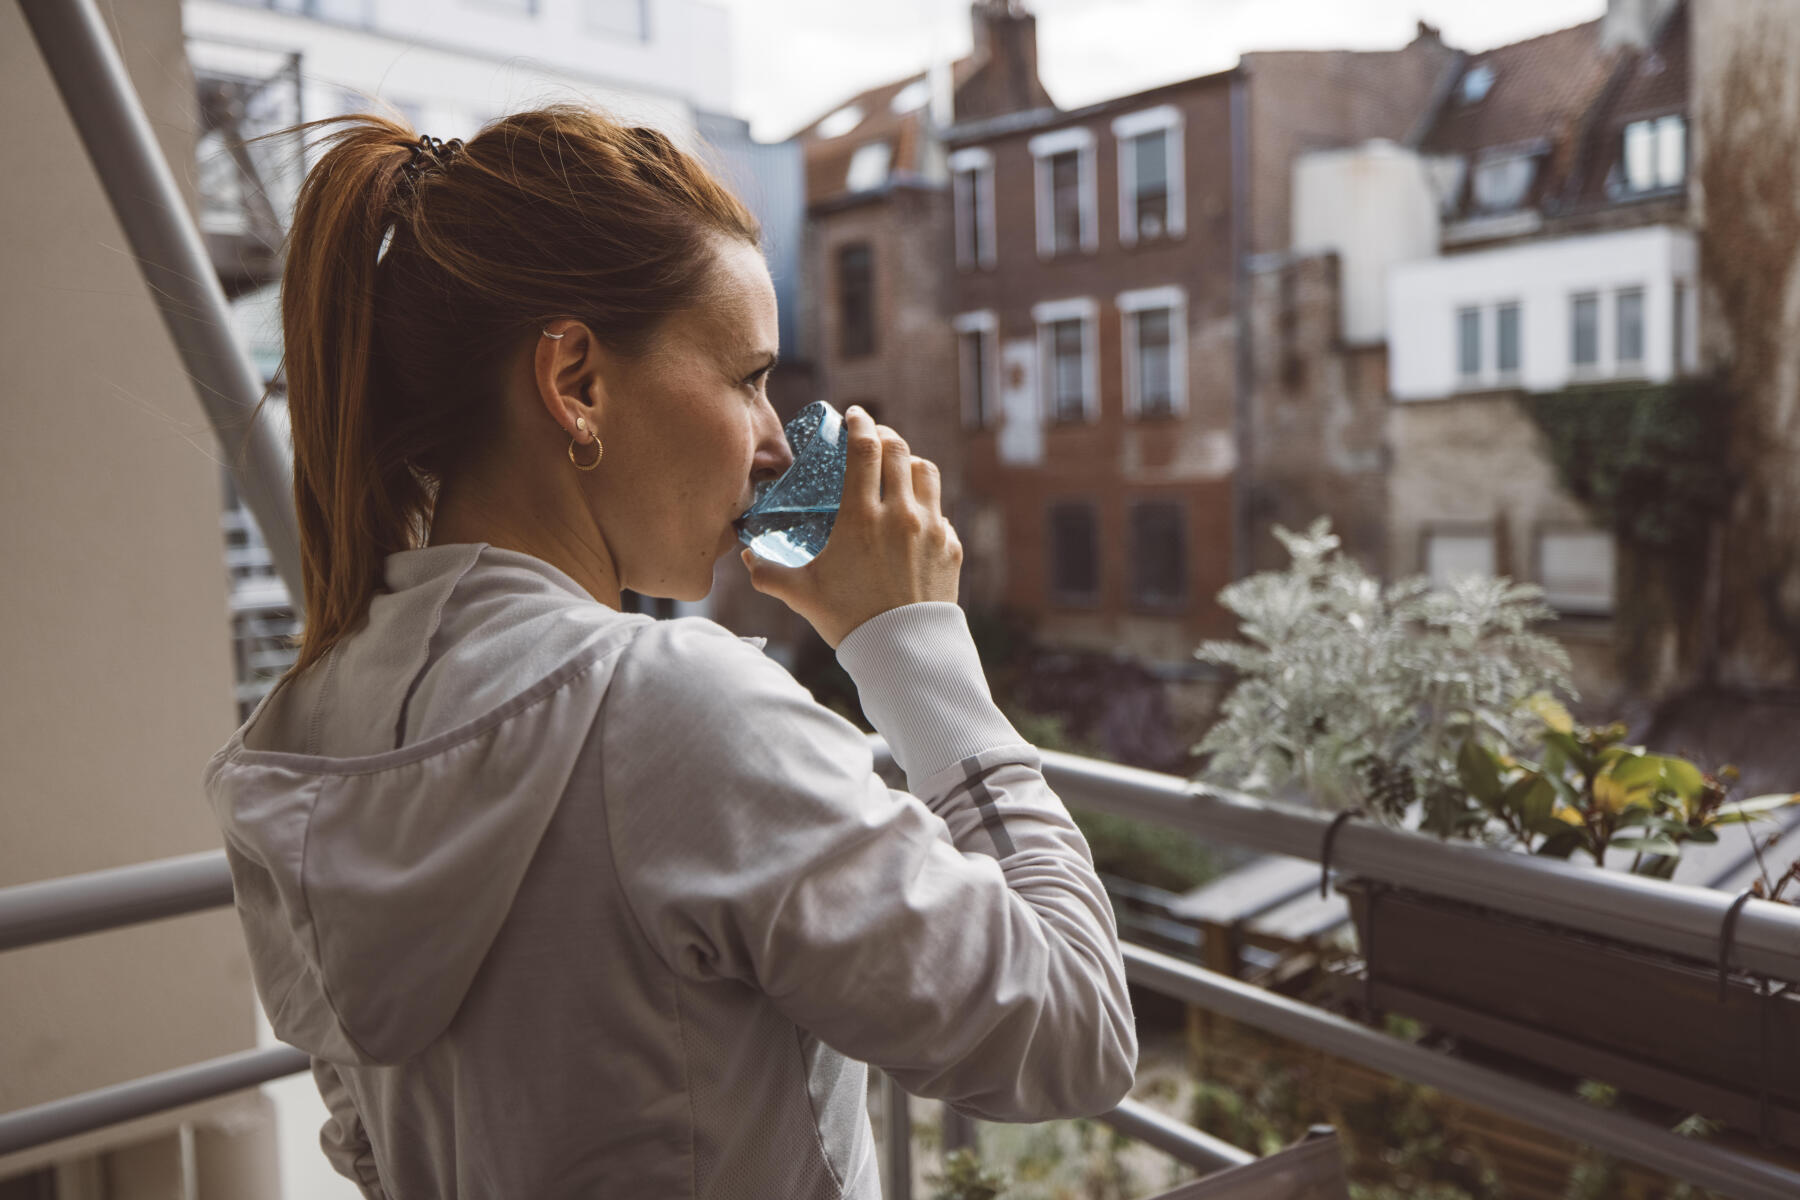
[758, 377]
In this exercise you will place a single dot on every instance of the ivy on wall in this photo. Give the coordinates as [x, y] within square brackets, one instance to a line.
[1650, 460]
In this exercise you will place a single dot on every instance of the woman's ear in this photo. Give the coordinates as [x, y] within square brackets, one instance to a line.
[568, 375]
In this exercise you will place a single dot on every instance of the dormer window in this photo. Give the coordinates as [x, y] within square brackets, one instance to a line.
[1655, 154]
[1476, 83]
[840, 122]
[869, 166]
[912, 97]
[1502, 182]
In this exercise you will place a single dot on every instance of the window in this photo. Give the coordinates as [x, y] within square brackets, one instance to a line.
[972, 195]
[869, 166]
[1155, 339]
[1584, 332]
[1154, 378]
[856, 300]
[621, 18]
[1476, 83]
[1655, 153]
[1502, 184]
[979, 368]
[1630, 325]
[1065, 191]
[1065, 202]
[1451, 554]
[1158, 554]
[838, 123]
[1575, 569]
[1068, 371]
[1067, 354]
[1506, 340]
[1151, 200]
[911, 98]
[1074, 552]
[1468, 344]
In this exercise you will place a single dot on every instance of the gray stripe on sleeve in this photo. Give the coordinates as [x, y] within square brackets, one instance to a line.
[991, 820]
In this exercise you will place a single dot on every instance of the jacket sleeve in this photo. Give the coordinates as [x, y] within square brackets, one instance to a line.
[954, 935]
[343, 1137]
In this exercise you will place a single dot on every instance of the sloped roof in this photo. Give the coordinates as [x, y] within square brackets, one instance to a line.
[1644, 84]
[1541, 88]
[828, 159]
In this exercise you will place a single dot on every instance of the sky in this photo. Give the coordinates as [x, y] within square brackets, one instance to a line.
[794, 60]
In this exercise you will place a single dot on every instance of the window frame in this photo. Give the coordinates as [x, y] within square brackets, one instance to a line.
[984, 325]
[1052, 590]
[1169, 121]
[972, 183]
[1045, 147]
[1172, 298]
[1044, 317]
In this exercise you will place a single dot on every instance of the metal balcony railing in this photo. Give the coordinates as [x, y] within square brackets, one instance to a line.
[1664, 916]
[1624, 906]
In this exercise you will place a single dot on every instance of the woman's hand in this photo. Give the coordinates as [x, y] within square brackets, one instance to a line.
[889, 546]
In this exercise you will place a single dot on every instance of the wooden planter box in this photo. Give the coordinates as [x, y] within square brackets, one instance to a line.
[1653, 1025]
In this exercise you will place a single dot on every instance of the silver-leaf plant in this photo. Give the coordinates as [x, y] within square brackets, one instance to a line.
[1355, 695]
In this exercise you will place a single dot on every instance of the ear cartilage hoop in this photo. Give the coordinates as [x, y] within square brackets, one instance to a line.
[558, 336]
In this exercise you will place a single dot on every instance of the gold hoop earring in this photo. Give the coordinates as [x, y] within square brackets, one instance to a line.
[599, 450]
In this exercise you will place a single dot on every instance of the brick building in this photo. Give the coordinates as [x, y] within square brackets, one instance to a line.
[1106, 314]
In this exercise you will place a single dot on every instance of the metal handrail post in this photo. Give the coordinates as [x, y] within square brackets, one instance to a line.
[1692, 1159]
[145, 1097]
[165, 240]
[112, 899]
[897, 1132]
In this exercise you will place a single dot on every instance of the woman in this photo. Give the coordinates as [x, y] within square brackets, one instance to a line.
[565, 901]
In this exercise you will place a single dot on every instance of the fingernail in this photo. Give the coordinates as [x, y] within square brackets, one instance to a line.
[855, 410]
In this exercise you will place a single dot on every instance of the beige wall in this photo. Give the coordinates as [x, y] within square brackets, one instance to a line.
[1478, 460]
[113, 634]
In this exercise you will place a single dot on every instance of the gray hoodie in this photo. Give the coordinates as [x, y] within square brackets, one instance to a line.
[565, 901]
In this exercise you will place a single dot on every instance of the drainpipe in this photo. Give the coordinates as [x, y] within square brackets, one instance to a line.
[165, 241]
[1241, 410]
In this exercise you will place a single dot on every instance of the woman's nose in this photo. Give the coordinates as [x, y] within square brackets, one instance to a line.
[773, 454]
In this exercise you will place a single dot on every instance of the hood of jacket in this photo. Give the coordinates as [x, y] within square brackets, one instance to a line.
[381, 808]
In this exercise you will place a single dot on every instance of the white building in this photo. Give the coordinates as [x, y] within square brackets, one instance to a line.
[1545, 314]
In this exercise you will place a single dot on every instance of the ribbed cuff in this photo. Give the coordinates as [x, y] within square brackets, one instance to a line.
[922, 686]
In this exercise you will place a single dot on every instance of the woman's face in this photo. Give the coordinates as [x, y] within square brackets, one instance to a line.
[688, 429]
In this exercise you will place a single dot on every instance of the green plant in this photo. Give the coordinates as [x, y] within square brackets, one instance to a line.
[964, 1178]
[1355, 695]
[1592, 792]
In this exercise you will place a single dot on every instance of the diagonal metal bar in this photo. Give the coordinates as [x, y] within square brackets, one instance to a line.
[1190, 1145]
[164, 238]
[145, 1097]
[1700, 1162]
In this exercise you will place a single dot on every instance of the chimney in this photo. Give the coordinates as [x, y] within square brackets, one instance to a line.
[1633, 24]
[1005, 74]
